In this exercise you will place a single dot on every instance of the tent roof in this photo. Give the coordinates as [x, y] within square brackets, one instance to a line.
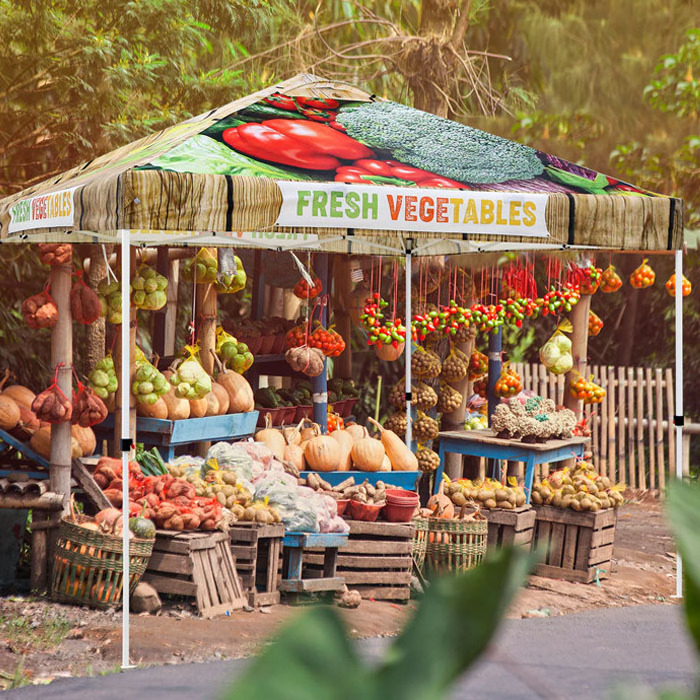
[186, 184]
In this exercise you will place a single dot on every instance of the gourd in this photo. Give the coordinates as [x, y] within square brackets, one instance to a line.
[159, 409]
[198, 407]
[344, 439]
[310, 432]
[322, 453]
[40, 442]
[221, 396]
[400, 456]
[178, 409]
[239, 391]
[212, 404]
[9, 413]
[20, 395]
[440, 504]
[271, 438]
[368, 454]
[292, 433]
[386, 464]
[143, 528]
[294, 455]
[356, 432]
[86, 439]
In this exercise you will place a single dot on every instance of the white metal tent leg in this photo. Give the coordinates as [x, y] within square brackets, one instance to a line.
[409, 341]
[679, 396]
[125, 386]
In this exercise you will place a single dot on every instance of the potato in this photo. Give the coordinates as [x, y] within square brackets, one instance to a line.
[490, 503]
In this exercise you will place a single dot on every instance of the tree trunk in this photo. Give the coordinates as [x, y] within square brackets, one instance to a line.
[95, 332]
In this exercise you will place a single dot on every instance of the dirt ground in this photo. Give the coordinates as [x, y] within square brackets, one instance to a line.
[41, 641]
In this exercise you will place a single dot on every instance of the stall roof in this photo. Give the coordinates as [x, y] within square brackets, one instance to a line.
[279, 169]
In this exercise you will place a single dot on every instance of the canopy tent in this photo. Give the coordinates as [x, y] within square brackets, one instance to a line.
[258, 173]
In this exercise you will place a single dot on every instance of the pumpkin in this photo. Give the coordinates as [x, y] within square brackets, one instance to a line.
[9, 413]
[401, 457]
[20, 395]
[292, 433]
[294, 455]
[198, 407]
[386, 464]
[28, 423]
[271, 438]
[344, 439]
[221, 396]
[240, 393]
[212, 402]
[178, 409]
[356, 432]
[107, 518]
[40, 442]
[441, 505]
[86, 439]
[143, 528]
[311, 430]
[368, 454]
[322, 453]
[159, 409]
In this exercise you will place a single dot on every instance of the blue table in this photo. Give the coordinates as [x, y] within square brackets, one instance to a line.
[294, 544]
[483, 443]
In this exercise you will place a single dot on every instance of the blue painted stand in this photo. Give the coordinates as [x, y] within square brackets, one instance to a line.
[166, 435]
[483, 443]
[402, 480]
[27, 452]
[294, 544]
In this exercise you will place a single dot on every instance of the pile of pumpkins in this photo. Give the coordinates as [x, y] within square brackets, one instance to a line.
[18, 419]
[303, 447]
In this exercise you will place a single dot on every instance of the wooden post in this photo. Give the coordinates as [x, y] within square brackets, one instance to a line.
[343, 286]
[62, 352]
[206, 324]
[579, 350]
[165, 321]
[95, 332]
[116, 450]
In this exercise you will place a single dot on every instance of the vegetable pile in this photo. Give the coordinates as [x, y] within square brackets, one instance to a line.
[532, 420]
[488, 493]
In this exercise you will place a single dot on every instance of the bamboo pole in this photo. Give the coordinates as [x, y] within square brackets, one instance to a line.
[650, 428]
[579, 350]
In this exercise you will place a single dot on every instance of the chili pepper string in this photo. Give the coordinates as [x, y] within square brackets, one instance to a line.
[395, 285]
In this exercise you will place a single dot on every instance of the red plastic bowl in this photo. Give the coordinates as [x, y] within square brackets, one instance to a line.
[253, 343]
[402, 497]
[342, 505]
[396, 513]
[303, 412]
[266, 345]
[364, 511]
[280, 344]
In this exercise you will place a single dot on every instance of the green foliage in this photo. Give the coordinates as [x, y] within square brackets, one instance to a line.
[454, 623]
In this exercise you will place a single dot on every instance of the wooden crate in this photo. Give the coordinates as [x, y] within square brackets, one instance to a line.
[257, 549]
[579, 545]
[196, 564]
[376, 561]
[510, 527]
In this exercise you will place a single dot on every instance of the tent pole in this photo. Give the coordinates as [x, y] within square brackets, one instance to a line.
[409, 343]
[125, 445]
[679, 397]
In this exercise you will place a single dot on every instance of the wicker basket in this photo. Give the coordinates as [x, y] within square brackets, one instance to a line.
[420, 542]
[87, 567]
[455, 544]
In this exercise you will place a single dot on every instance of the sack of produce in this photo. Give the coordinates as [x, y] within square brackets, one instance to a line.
[643, 276]
[610, 281]
[189, 379]
[425, 364]
[52, 405]
[88, 408]
[595, 323]
[555, 354]
[149, 384]
[508, 384]
[202, 268]
[450, 399]
[149, 289]
[230, 274]
[109, 293]
[455, 366]
[55, 253]
[586, 390]
[478, 365]
[304, 359]
[234, 355]
[85, 305]
[103, 379]
[40, 310]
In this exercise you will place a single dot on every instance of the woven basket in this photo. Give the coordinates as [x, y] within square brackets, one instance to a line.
[87, 568]
[420, 542]
[454, 544]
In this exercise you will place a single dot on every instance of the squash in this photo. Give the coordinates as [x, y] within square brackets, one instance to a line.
[240, 393]
[292, 433]
[294, 455]
[86, 439]
[20, 395]
[271, 438]
[221, 396]
[159, 409]
[356, 432]
[322, 453]
[198, 407]
[386, 464]
[178, 409]
[9, 413]
[441, 505]
[311, 430]
[344, 439]
[401, 457]
[40, 442]
[143, 528]
[368, 454]
[28, 423]
[107, 518]
[212, 401]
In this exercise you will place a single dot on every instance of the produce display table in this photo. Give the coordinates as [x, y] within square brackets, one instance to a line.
[483, 443]
[294, 544]
[402, 480]
[166, 435]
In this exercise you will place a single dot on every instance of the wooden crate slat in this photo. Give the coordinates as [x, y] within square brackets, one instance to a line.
[604, 536]
[312, 585]
[393, 577]
[587, 576]
[376, 547]
[602, 518]
[382, 529]
[585, 536]
[384, 592]
[600, 555]
[557, 543]
[170, 563]
[568, 560]
[202, 595]
[171, 585]
[346, 562]
[170, 546]
[522, 517]
[244, 552]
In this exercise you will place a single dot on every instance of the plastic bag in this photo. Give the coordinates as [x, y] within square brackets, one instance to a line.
[224, 455]
[555, 354]
[190, 379]
[194, 466]
[508, 384]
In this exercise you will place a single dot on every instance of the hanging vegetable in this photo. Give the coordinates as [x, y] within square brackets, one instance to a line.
[149, 289]
[595, 323]
[52, 405]
[55, 253]
[230, 276]
[508, 384]
[103, 379]
[478, 365]
[687, 287]
[555, 354]
[40, 311]
[454, 366]
[610, 281]
[189, 379]
[425, 364]
[310, 361]
[586, 390]
[329, 342]
[88, 408]
[149, 384]
[110, 295]
[233, 354]
[643, 276]
[202, 268]
[481, 386]
[85, 305]
[590, 279]
[302, 290]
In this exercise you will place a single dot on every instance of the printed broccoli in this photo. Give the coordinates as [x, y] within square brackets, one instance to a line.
[439, 145]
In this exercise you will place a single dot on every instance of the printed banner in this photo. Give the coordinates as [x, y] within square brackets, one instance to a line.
[336, 205]
[43, 211]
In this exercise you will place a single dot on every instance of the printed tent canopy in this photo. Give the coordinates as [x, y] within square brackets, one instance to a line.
[315, 164]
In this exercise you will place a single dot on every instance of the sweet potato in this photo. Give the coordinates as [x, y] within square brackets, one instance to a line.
[55, 253]
[84, 304]
[114, 496]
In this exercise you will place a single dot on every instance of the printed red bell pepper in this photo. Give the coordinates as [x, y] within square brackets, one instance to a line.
[321, 138]
[439, 181]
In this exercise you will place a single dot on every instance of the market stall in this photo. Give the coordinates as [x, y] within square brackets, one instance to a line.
[310, 165]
